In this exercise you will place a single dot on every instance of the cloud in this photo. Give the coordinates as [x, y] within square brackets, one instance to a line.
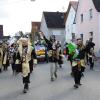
[17, 15]
[3, 14]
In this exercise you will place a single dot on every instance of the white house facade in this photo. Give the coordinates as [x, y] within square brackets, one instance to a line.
[88, 21]
[70, 27]
[59, 33]
[43, 27]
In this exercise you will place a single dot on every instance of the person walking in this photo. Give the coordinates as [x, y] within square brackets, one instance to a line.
[60, 54]
[5, 57]
[91, 56]
[78, 63]
[1, 57]
[60, 58]
[25, 57]
[53, 55]
[87, 51]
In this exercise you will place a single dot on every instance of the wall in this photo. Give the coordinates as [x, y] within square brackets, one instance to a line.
[88, 25]
[59, 33]
[70, 27]
[44, 28]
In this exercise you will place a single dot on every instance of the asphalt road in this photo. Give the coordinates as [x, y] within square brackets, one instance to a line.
[41, 88]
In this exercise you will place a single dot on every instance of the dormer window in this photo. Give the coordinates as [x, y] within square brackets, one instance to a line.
[91, 35]
[81, 35]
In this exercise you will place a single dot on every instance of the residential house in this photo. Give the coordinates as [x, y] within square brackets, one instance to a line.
[69, 21]
[52, 23]
[88, 21]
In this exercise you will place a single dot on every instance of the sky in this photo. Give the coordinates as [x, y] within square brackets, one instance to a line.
[17, 15]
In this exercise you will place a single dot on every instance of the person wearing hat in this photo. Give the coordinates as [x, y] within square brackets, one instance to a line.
[78, 63]
[1, 57]
[91, 56]
[5, 56]
[53, 55]
[60, 54]
[13, 53]
[26, 56]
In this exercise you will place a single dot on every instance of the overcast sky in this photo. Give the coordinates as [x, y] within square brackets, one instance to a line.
[17, 15]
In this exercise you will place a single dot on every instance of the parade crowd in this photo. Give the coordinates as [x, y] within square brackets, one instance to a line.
[21, 56]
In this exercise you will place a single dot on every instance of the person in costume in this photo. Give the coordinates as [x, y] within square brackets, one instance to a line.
[60, 54]
[60, 58]
[13, 55]
[26, 56]
[5, 56]
[78, 61]
[1, 57]
[70, 47]
[87, 51]
[91, 57]
[53, 55]
[90, 53]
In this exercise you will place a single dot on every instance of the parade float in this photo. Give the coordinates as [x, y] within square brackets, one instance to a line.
[40, 52]
[40, 49]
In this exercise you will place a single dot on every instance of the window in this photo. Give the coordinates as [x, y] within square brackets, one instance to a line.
[73, 35]
[91, 35]
[81, 35]
[81, 17]
[91, 13]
